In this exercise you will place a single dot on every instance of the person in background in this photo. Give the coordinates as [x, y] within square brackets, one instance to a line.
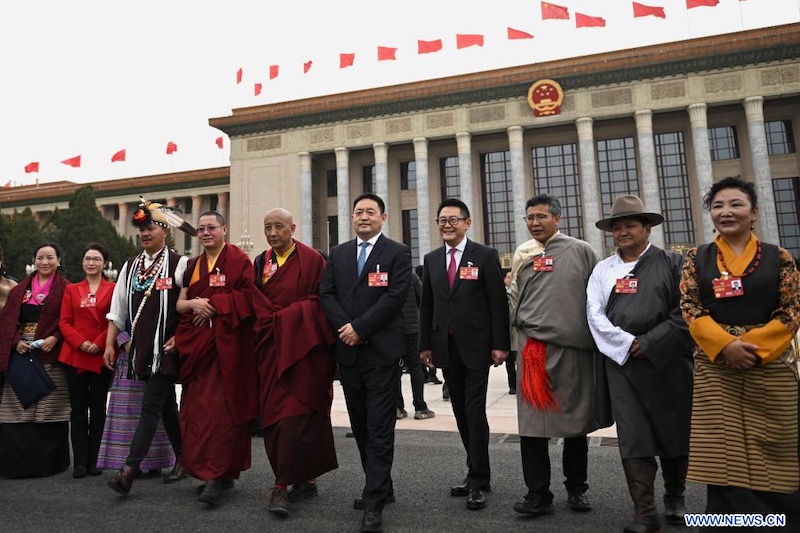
[84, 327]
[511, 361]
[6, 282]
[411, 355]
[430, 373]
[35, 441]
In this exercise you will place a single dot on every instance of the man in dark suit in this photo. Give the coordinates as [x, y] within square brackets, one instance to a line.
[364, 287]
[464, 330]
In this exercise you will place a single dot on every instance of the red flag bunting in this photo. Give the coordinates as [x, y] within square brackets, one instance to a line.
[518, 34]
[257, 89]
[119, 156]
[219, 142]
[427, 47]
[585, 21]
[307, 66]
[553, 11]
[641, 10]
[73, 162]
[346, 60]
[32, 167]
[239, 76]
[701, 3]
[386, 53]
[171, 148]
[273, 72]
[465, 40]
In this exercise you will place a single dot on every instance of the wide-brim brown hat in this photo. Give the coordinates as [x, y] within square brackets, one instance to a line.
[626, 206]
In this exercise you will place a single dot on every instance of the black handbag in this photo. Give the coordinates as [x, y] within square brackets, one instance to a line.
[28, 378]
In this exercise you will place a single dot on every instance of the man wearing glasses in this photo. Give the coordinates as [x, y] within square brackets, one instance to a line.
[464, 331]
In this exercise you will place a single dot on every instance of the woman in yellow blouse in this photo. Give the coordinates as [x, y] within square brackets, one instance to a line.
[741, 299]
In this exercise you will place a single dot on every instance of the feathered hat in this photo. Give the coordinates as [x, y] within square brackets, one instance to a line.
[163, 215]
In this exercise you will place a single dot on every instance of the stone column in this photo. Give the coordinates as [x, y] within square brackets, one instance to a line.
[517, 184]
[222, 206]
[381, 151]
[651, 193]
[464, 144]
[423, 196]
[123, 222]
[343, 193]
[762, 175]
[590, 191]
[702, 161]
[305, 220]
[196, 210]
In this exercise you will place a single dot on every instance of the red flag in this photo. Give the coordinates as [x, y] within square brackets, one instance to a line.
[701, 3]
[386, 52]
[346, 60]
[239, 76]
[641, 10]
[552, 11]
[257, 89]
[426, 47]
[518, 34]
[171, 148]
[585, 21]
[119, 156]
[32, 167]
[73, 162]
[8, 184]
[219, 142]
[307, 66]
[464, 40]
[273, 72]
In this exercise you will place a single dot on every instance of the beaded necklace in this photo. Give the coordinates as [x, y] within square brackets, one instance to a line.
[146, 277]
[726, 271]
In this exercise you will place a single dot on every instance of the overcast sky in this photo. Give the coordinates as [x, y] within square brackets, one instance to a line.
[90, 77]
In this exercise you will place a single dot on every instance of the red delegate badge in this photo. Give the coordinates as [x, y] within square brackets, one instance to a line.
[468, 273]
[163, 284]
[727, 287]
[216, 280]
[542, 264]
[627, 286]
[378, 279]
[89, 301]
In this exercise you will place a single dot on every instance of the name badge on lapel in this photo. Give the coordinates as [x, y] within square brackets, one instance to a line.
[26, 297]
[89, 301]
[627, 286]
[378, 278]
[542, 264]
[163, 284]
[216, 280]
[469, 272]
[727, 286]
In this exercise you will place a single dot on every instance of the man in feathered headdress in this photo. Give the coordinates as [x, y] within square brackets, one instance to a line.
[145, 296]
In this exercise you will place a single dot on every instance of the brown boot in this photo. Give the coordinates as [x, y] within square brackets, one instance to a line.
[674, 471]
[640, 475]
[123, 481]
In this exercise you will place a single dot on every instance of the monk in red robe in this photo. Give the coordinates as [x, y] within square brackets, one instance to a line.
[295, 370]
[218, 371]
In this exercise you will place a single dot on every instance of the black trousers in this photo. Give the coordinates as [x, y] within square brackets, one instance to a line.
[511, 370]
[415, 372]
[158, 402]
[468, 398]
[88, 393]
[536, 464]
[370, 392]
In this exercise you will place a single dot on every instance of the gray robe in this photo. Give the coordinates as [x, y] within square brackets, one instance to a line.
[552, 309]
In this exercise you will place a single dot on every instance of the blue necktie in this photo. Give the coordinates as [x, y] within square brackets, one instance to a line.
[362, 256]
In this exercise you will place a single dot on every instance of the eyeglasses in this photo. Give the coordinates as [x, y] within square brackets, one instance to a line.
[92, 259]
[530, 218]
[207, 229]
[453, 221]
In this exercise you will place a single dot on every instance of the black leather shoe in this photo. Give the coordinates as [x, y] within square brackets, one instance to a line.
[674, 510]
[177, 473]
[577, 501]
[123, 481]
[476, 499]
[79, 472]
[372, 522]
[463, 489]
[93, 471]
[225, 483]
[358, 503]
[534, 505]
[212, 492]
[279, 502]
[302, 491]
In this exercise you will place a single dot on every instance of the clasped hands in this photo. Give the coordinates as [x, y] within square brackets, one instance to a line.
[739, 355]
[202, 310]
[498, 357]
[349, 336]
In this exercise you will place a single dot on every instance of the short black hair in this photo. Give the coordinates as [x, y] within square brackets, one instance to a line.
[731, 182]
[454, 202]
[545, 199]
[97, 247]
[370, 196]
[215, 214]
[52, 245]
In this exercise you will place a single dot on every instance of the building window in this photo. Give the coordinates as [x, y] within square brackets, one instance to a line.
[333, 231]
[673, 182]
[115, 212]
[411, 233]
[787, 209]
[780, 139]
[448, 170]
[408, 175]
[616, 165]
[555, 172]
[213, 203]
[724, 144]
[332, 183]
[368, 179]
[498, 205]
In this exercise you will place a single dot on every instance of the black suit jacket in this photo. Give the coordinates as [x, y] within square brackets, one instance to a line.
[375, 312]
[476, 310]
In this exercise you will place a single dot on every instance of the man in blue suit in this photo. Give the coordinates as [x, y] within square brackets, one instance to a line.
[364, 287]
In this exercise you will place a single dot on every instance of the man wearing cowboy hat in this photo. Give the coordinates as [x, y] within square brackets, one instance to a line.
[646, 372]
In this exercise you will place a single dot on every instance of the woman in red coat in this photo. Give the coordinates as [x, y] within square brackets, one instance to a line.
[84, 325]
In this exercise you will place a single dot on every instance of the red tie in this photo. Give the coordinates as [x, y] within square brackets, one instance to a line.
[451, 268]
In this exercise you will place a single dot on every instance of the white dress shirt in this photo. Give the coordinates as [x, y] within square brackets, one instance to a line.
[371, 242]
[459, 253]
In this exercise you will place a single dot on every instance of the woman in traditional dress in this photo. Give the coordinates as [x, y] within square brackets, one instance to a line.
[741, 299]
[34, 441]
[84, 326]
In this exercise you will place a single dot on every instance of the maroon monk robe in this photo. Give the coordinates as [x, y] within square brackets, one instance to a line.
[295, 369]
[218, 370]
